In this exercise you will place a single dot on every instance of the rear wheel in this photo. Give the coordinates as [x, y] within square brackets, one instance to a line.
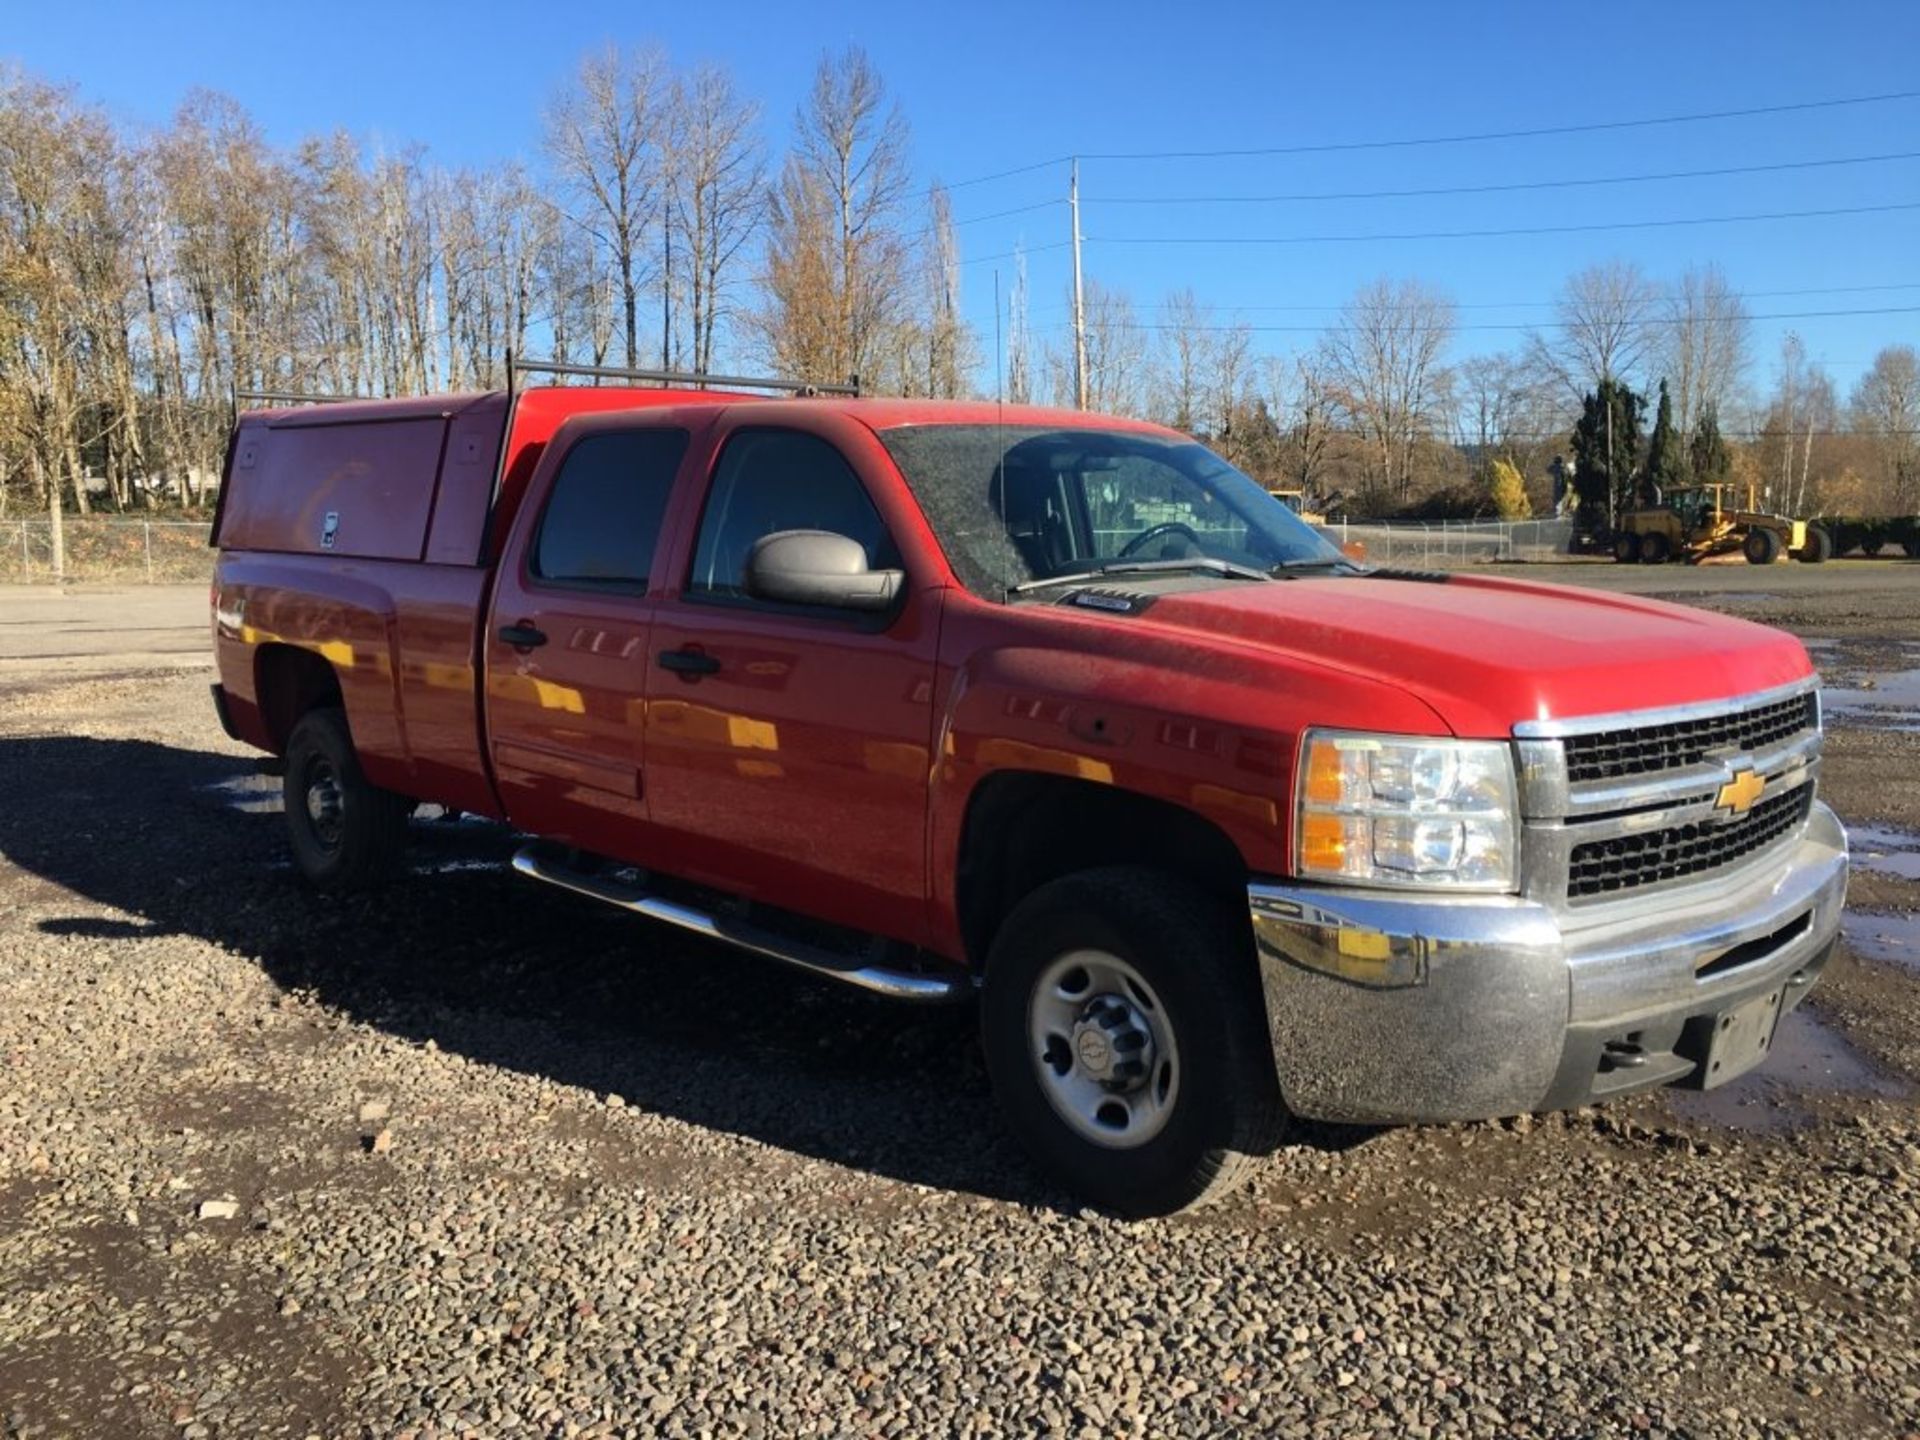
[1819, 546]
[1761, 547]
[346, 833]
[1123, 1031]
[1655, 549]
[1626, 547]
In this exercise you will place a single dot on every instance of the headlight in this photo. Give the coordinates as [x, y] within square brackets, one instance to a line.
[1399, 810]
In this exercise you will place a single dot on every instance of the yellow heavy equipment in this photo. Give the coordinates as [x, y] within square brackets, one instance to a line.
[1695, 524]
[1296, 501]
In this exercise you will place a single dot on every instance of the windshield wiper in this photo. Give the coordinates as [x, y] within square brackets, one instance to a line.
[1318, 563]
[1226, 568]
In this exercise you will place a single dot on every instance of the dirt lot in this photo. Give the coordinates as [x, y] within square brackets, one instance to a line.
[480, 1159]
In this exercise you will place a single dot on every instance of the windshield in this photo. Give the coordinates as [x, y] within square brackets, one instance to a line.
[1012, 505]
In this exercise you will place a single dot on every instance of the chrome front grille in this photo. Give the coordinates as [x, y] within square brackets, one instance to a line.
[1619, 805]
[1681, 852]
[1651, 749]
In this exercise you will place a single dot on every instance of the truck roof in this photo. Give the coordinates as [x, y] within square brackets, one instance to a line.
[563, 400]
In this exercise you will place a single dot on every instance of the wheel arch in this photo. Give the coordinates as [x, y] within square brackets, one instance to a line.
[290, 681]
[1023, 829]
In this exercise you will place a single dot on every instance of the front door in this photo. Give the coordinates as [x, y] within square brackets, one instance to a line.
[787, 747]
[567, 651]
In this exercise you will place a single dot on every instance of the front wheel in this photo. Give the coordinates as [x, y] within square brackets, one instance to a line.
[1819, 546]
[1761, 547]
[346, 833]
[1655, 549]
[1123, 1031]
[1626, 548]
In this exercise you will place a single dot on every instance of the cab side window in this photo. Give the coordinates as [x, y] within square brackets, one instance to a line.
[773, 480]
[603, 515]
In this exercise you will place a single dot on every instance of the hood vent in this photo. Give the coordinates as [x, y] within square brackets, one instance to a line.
[1417, 577]
[1107, 600]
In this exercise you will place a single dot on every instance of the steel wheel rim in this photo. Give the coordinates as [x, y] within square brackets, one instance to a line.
[324, 802]
[1093, 1021]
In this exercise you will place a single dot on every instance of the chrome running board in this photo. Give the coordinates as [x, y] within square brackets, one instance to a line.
[541, 862]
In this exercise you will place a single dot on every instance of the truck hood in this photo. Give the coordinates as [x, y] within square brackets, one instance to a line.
[1486, 653]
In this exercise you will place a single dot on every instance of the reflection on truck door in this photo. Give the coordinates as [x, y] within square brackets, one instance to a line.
[567, 644]
[787, 747]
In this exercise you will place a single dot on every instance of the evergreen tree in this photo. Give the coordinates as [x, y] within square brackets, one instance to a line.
[1508, 491]
[1711, 463]
[1606, 489]
[1666, 455]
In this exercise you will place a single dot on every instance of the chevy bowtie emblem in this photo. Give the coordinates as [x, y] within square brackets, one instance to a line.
[1737, 796]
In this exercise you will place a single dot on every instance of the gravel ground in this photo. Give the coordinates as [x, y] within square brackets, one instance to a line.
[477, 1158]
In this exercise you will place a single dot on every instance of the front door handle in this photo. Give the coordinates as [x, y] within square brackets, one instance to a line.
[688, 663]
[523, 636]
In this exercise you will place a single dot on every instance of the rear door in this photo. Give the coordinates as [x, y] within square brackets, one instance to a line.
[787, 746]
[567, 647]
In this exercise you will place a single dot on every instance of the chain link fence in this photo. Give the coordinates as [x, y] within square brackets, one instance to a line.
[148, 552]
[1455, 542]
[165, 551]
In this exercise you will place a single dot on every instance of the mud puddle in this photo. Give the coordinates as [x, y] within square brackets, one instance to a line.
[1807, 1058]
[1879, 700]
[1878, 935]
[1885, 851]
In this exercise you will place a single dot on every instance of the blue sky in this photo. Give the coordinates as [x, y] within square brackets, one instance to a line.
[990, 87]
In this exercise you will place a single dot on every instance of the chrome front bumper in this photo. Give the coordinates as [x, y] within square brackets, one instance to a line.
[1388, 1008]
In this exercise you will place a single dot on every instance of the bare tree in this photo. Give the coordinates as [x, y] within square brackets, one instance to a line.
[947, 339]
[1386, 357]
[1183, 359]
[1116, 355]
[1886, 407]
[1704, 347]
[836, 256]
[1604, 325]
[606, 135]
[719, 197]
[1802, 407]
[1304, 400]
[1019, 335]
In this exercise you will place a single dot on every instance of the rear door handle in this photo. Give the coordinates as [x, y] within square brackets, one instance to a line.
[523, 636]
[690, 663]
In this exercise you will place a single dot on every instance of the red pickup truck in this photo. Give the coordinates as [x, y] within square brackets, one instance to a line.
[936, 698]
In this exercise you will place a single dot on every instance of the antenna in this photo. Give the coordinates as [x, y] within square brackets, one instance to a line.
[999, 384]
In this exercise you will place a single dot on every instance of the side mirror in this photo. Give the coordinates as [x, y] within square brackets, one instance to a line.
[818, 567]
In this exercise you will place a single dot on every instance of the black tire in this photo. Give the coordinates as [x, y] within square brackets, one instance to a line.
[1912, 547]
[347, 834]
[1819, 546]
[1872, 546]
[1655, 549]
[1626, 548]
[1761, 547]
[1196, 957]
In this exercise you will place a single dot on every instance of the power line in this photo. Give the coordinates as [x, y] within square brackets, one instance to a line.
[1342, 146]
[1653, 320]
[1496, 233]
[1550, 304]
[1010, 254]
[1002, 214]
[1589, 128]
[1492, 189]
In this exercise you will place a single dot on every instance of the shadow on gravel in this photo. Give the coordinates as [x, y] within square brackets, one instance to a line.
[510, 973]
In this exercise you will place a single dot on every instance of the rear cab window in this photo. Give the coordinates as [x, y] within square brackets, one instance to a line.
[601, 522]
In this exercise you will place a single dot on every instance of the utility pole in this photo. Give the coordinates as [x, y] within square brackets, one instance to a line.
[1079, 305]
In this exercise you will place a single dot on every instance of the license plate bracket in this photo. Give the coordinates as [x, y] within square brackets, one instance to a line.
[1741, 1039]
